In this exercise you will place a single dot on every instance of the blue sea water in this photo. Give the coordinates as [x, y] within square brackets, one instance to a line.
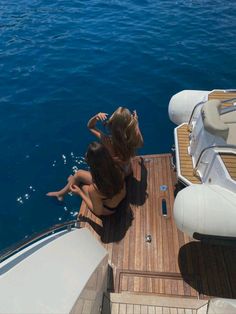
[63, 61]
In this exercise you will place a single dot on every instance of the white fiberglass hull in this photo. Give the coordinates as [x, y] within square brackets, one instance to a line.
[60, 274]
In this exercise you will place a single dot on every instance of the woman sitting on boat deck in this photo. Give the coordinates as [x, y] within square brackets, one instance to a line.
[125, 135]
[103, 187]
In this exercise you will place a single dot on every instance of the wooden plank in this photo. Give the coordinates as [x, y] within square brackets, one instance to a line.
[185, 159]
[151, 310]
[187, 172]
[137, 309]
[159, 265]
[143, 262]
[229, 161]
[144, 309]
[221, 95]
[186, 165]
[228, 156]
[122, 308]
[156, 260]
[158, 310]
[188, 311]
[165, 253]
[130, 309]
[115, 308]
[169, 193]
[148, 224]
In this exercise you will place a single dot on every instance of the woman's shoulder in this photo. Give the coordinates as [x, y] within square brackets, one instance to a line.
[139, 137]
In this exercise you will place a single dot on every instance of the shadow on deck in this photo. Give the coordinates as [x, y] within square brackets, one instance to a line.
[112, 228]
[213, 265]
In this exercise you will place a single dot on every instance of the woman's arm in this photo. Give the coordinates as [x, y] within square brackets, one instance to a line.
[83, 193]
[137, 130]
[90, 197]
[140, 137]
[101, 116]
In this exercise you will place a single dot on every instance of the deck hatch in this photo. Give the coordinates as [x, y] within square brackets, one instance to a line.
[164, 207]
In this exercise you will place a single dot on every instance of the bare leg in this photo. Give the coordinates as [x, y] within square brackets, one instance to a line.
[66, 189]
[80, 176]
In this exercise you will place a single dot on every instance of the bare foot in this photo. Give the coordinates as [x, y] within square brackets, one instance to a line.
[57, 195]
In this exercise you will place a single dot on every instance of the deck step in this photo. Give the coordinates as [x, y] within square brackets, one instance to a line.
[122, 303]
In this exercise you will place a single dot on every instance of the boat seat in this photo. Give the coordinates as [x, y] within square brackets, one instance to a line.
[212, 121]
[230, 120]
[231, 140]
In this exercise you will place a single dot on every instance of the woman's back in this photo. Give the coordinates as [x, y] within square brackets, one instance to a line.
[110, 204]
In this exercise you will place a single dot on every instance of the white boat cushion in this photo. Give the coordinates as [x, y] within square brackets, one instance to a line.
[211, 119]
[229, 117]
[231, 140]
[230, 120]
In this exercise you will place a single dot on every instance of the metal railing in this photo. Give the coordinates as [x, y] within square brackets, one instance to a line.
[230, 90]
[228, 100]
[193, 111]
[213, 147]
[227, 110]
[6, 253]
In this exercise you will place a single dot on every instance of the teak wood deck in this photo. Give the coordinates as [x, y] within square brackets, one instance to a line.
[171, 264]
[186, 164]
[229, 161]
[222, 95]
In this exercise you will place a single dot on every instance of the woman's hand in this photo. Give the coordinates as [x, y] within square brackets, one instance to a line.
[101, 116]
[83, 193]
[135, 115]
[75, 189]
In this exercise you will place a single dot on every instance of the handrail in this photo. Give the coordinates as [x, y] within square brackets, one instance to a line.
[228, 100]
[202, 102]
[195, 107]
[227, 110]
[210, 147]
[229, 90]
[4, 254]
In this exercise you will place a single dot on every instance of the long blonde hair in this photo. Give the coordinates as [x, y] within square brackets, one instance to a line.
[125, 138]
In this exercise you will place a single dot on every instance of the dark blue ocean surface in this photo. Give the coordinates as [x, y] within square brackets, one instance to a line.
[63, 61]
